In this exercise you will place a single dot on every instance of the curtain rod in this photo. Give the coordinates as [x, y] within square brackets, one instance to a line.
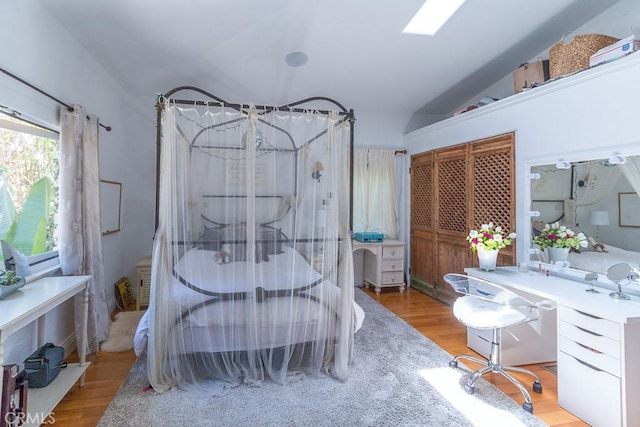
[400, 152]
[69, 107]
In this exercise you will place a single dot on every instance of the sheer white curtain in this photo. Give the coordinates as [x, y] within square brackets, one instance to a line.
[602, 180]
[235, 295]
[360, 189]
[79, 234]
[375, 198]
[631, 171]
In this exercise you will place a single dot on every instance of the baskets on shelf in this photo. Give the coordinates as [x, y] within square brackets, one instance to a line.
[566, 58]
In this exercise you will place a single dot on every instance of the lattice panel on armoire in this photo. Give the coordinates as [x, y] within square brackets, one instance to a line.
[492, 189]
[422, 195]
[452, 195]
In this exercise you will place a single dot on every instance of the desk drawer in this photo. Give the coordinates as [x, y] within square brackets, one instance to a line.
[392, 264]
[391, 278]
[593, 357]
[393, 252]
[590, 394]
[590, 339]
[589, 322]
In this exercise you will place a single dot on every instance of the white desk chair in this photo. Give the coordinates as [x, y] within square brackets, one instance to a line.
[486, 305]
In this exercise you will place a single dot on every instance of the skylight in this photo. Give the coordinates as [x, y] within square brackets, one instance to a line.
[432, 16]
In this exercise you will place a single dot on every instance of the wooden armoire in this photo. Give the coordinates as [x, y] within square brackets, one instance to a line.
[454, 190]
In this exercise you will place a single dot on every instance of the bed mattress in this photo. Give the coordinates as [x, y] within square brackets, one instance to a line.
[210, 318]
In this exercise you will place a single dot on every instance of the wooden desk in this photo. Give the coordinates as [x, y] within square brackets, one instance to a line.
[598, 345]
[30, 303]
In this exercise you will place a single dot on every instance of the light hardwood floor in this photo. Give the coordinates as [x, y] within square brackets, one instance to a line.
[84, 406]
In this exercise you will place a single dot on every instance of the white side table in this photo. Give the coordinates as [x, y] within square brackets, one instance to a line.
[32, 302]
[144, 283]
[383, 264]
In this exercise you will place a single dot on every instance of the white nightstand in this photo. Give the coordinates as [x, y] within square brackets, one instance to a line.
[383, 264]
[144, 283]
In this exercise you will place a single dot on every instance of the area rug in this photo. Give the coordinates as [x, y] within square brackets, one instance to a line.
[398, 378]
[121, 331]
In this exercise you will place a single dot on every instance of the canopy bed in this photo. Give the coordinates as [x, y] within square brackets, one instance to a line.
[245, 195]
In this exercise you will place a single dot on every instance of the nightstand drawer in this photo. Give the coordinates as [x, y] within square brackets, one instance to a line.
[393, 252]
[392, 278]
[392, 264]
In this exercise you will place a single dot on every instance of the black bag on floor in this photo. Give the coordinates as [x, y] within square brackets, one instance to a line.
[44, 365]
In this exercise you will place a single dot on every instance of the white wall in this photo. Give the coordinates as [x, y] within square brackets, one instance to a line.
[591, 114]
[39, 50]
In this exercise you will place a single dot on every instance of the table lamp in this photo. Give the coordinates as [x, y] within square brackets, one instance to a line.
[598, 218]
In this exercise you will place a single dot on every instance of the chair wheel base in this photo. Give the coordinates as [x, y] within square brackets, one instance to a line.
[453, 364]
[469, 388]
[537, 387]
[527, 407]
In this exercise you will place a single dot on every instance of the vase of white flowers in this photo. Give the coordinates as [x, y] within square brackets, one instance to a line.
[557, 240]
[487, 242]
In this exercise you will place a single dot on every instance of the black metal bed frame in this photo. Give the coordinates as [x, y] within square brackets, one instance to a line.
[347, 115]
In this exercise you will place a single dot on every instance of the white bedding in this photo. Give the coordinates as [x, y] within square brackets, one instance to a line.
[600, 262]
[288, 270]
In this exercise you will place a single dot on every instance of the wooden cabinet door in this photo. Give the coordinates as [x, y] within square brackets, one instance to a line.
[422, 223]
[452, 213]
[493, 187]
[454, 190]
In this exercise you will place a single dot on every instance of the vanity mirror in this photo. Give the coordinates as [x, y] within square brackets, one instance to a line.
[598, 198]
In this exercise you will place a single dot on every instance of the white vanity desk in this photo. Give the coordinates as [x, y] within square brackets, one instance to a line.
[598, 342]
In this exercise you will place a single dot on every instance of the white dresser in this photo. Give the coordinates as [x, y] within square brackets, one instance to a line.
[383, 264]
[598, 346]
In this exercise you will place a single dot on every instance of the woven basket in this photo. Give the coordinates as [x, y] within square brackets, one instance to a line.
[565, 58]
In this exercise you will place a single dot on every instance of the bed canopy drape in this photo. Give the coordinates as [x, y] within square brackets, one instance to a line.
[252, 272]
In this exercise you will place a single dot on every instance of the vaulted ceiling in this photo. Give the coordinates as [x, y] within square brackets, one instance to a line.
[357, 52]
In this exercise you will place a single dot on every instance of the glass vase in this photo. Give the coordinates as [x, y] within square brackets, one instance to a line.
[557, 254]
[487, 259]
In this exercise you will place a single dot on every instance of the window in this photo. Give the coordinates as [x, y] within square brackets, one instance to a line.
[29, 165]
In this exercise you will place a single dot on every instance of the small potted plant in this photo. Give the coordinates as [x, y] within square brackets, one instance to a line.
[487, 242]
[558, 239]
[9, 283]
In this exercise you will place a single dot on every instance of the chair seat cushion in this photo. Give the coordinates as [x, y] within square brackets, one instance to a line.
[482, 314]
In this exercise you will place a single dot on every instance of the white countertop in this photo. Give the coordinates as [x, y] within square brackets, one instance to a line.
[566, 292]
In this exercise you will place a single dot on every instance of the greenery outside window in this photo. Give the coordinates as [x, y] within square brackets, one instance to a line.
[29, 167]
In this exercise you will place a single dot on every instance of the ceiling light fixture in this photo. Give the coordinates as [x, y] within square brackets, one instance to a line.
[432, 16]
[296, 59]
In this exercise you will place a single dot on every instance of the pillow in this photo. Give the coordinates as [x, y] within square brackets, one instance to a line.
[13, 257]
[210, 239]
[271, 241]
[238, 252]
[236, 237]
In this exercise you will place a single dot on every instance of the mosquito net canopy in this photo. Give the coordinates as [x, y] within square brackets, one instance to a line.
[252, 265]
